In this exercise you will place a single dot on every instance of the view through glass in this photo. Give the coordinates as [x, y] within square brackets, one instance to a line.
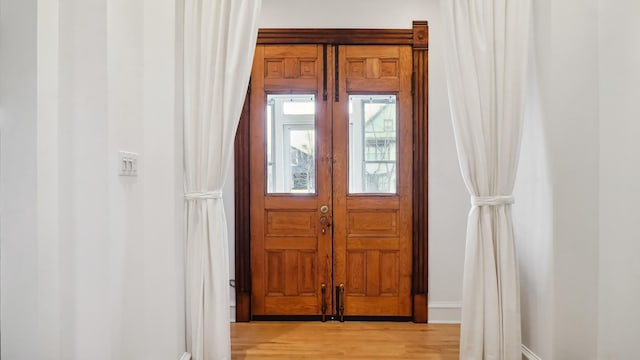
[372, 144]
[291, 144]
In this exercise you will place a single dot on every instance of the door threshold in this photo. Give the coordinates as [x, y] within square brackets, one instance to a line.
[331, 318]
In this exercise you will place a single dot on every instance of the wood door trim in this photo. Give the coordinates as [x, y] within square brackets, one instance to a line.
[418, 38]
[242, 190]
[420, 172]
[336, 36]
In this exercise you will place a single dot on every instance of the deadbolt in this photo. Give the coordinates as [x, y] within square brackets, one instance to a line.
[324, 209]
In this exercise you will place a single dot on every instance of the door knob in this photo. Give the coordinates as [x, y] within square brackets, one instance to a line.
[324, 221]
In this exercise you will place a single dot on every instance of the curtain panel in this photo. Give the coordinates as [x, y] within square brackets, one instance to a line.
[219, 42]
[487, 51]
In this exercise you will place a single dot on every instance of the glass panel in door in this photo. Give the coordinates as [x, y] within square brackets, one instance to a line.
[372, 144]
[290, 144]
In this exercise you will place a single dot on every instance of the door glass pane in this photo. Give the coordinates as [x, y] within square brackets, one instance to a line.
[372, 144]
[291, 144]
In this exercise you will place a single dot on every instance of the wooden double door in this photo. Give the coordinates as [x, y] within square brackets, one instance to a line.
[331, 181]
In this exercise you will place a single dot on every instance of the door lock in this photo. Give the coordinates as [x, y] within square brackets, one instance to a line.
[324, 209]
[324, 222]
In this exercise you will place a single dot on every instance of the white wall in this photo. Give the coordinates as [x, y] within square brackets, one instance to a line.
[558, 211]
[448, 199]
[92, 263]
[619, 281]
[569, 88]
[533, 228]
[18, 149]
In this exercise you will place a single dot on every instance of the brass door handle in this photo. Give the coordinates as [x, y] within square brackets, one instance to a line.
[323, 291]
[324, 222]
[341, 301]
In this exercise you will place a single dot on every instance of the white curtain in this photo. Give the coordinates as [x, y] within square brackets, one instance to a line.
[487, 52]
[219, 42]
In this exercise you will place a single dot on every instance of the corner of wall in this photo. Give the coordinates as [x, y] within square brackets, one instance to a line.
[528, 354]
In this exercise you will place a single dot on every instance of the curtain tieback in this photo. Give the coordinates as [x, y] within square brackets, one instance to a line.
[491, 200]
[191, 196]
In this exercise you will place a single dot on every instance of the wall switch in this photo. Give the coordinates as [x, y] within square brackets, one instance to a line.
[128, 165]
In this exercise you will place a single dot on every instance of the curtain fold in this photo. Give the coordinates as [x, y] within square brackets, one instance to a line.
[487, 50]
[219, 42]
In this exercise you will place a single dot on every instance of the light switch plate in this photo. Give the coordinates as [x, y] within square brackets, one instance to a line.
[128, 165]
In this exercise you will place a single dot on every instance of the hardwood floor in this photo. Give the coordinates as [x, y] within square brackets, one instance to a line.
[348, 340]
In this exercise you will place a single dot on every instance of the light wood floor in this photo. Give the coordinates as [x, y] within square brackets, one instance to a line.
[348, 340]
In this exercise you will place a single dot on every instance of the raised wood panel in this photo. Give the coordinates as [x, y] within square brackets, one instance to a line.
[295, 243]
[356, 68]
[389, 68]
[356, 280]
[291, 305]
[373, 306]
[389, 267]
[308, 68]
[280, 201]
[291, 274]
[286, 51]
[283, 85]
[307, 273]
[374, 223]
[289, 67]
[368, 243]
[274, 69]
[372, 68]
[372, 85]
[373, 273]
[291, 223]
[367, 52]
[379, 202]
[275, 272]
[375, 68]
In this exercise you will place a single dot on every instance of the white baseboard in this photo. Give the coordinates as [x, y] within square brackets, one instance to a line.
[528, 354]
[232, 312]
[186, 356]
[441, 312]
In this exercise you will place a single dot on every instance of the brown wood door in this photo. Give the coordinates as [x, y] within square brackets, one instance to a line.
[331, 167]
[372, 180]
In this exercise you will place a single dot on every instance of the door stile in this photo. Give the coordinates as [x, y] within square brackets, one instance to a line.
[325, 196]
[257, 183]
[339, 137]
[405, 215]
